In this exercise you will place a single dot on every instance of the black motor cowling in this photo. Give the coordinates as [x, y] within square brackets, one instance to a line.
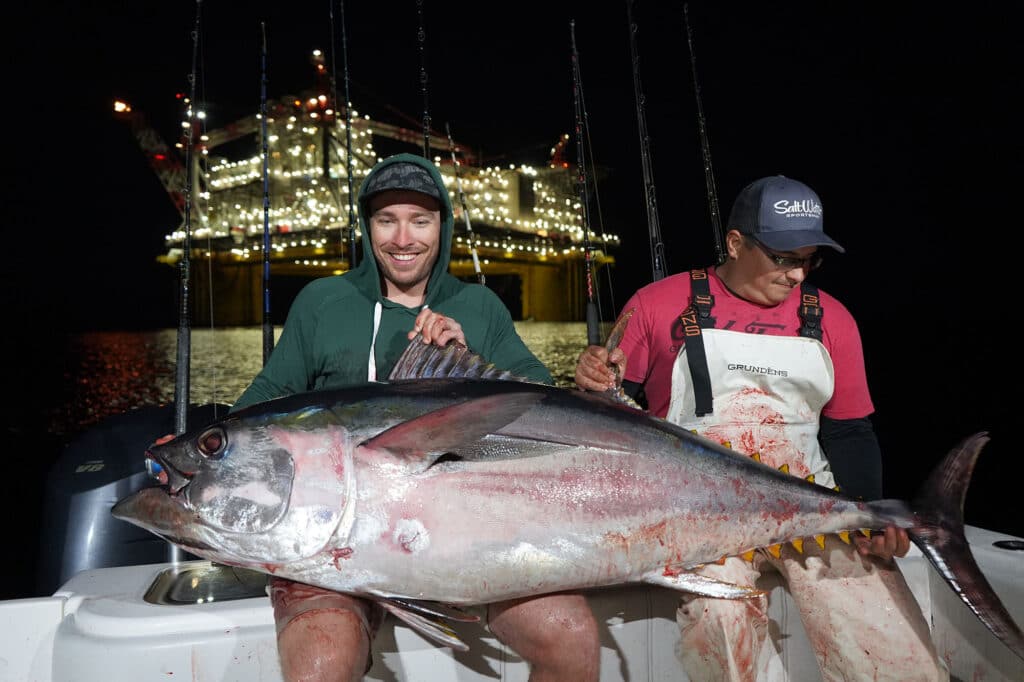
[105, 464]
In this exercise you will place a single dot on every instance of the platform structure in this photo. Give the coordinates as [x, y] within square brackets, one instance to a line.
[292, 176]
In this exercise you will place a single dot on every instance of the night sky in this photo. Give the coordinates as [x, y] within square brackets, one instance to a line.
[902, 119]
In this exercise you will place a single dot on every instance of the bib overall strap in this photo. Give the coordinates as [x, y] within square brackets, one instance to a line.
[695, 318]
[810, 311]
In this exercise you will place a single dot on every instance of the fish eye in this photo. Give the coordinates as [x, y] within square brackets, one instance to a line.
[212, 443]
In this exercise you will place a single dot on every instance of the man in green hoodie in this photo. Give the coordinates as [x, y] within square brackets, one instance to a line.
[352, 328]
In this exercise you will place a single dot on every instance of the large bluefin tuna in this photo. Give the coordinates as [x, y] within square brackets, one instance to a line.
[430, 493]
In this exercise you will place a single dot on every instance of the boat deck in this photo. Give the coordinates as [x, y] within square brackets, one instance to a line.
[153, 622]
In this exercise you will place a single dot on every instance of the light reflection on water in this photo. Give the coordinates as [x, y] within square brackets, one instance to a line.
[108, 373]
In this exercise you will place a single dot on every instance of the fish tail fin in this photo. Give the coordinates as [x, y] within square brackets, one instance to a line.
[938, 531]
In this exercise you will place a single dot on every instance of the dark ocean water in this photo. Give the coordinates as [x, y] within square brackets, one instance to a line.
[74, 387]
[108, 373]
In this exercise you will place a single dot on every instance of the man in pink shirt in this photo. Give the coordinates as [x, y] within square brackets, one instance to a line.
[753, 356]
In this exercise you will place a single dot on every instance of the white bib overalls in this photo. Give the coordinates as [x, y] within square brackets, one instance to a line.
[859, 614]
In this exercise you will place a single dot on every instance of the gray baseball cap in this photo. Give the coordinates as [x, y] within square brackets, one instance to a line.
[781, 213]
[401, 175]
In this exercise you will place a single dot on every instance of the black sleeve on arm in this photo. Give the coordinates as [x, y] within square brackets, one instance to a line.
[635, 390]
[854, 456]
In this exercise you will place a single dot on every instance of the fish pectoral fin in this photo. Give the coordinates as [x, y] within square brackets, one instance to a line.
[702, 585]
[427, 437]
[428, 626]
[433, 609]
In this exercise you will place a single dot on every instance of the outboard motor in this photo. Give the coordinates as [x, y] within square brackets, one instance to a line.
[104, 465]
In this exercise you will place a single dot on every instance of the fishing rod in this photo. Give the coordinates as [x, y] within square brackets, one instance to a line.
[705, 147]
[653, 225]
[268, 327]
[465, 209]
[593, 326]
[352, 257]
[422, 36]
[184, 338]
[600, 217]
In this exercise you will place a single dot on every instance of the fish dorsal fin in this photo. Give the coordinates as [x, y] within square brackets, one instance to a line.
[427, 437]
[427, 361]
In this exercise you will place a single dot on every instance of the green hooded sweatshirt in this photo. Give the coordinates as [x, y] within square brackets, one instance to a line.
[327, 336]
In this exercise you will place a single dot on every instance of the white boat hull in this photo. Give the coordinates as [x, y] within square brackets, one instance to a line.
[100, 627]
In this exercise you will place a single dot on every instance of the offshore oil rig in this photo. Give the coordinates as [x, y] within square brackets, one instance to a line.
[525, 222]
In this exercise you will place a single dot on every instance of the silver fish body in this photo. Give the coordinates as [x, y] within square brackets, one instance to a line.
[388, 489]
[467, 491]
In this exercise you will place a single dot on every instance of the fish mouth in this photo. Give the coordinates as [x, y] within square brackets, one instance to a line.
[167, 475]
[148, 508]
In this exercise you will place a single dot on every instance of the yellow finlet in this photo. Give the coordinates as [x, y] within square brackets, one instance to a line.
[866, 532]
[784, 468]
[775, 550]
[844, 535]
[810, 478]
[820, 539]
[747, 556]
[798, 545]
[727, 443]
[721, 562]
[756, 457]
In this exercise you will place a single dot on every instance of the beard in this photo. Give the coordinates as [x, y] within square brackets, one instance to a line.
[405, 275]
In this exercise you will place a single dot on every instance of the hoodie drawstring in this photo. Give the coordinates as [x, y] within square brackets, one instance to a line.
[371, 369]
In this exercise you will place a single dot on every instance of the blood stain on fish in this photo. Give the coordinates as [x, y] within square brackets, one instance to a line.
[340, 553]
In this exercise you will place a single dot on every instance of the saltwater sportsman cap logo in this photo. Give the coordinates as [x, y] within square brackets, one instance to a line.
[403, 175]
[806, 208]
[783, 214]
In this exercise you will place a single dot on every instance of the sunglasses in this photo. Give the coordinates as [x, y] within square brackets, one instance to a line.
[812, 262]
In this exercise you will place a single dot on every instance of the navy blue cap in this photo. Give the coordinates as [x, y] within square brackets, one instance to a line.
[782, 214]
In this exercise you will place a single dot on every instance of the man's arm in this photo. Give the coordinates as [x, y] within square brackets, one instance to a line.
[287, 369]
[856, 463]
[503, 345]
[513, 354]
[635, 390]
[853, 455]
